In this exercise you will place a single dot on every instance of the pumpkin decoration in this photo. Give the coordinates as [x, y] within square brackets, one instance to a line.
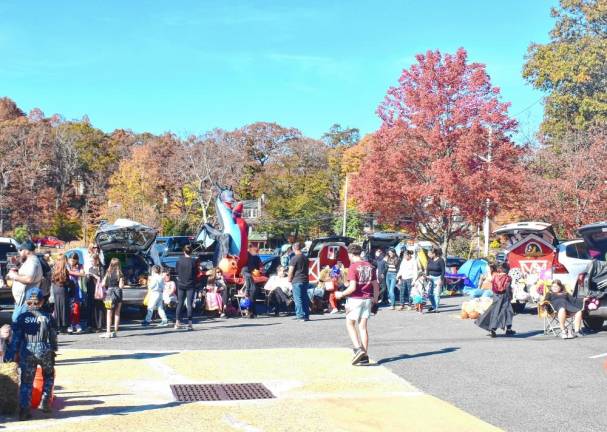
[473, 315]
[463, 315]
[229, 266]
[256, 273]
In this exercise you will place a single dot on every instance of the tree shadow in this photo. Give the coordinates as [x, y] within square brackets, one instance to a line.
[64, 414]
[104, 358]
[411, 356]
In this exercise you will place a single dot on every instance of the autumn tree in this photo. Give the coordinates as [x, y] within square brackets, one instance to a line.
[296, 186]
[25, 172]
[206, 161]
[428, 163]
[258, 144]
[571, 67]
[569, 187]
[134, 189]
[9, 110]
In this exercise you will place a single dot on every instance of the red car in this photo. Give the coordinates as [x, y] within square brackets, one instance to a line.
[49, 242]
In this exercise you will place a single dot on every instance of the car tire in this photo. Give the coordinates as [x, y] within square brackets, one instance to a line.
[594, 323]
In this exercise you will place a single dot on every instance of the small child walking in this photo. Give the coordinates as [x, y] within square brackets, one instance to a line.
[419, 293]
[156, 288]
[35, 342]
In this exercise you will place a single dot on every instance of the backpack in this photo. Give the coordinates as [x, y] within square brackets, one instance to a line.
[500, 283]
[45, 282]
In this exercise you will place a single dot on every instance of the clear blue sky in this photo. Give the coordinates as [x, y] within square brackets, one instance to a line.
[190, 66]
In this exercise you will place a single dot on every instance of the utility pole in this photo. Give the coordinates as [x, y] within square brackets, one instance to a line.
[486, 225]
[343, 230]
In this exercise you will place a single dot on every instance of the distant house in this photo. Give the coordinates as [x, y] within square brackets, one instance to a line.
[252, 211]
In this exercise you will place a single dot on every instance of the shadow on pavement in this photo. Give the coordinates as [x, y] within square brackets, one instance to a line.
[104, 358]
[527, 334]
[96, 411]
[422, 354]
[119, 410]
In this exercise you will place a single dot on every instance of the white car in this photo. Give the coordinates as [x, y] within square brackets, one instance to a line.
[571, 260]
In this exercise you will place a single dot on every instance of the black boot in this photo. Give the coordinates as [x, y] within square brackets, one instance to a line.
[45, 405]
[24, 414]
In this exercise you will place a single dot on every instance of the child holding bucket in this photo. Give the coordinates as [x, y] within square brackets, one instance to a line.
[35, 340]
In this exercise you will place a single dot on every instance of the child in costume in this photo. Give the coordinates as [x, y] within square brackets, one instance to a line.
[35, 342]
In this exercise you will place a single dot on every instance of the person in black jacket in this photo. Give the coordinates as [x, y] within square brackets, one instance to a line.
[435, 270]
[380, 268]
[186, 282]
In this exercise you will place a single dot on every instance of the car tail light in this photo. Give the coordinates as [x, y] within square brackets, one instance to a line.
[580, 279]
[558, 267]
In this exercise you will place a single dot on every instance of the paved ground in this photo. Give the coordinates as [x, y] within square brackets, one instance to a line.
[530, 382]
[316, 390]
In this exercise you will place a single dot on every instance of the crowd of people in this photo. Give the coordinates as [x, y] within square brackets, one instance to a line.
[50, 299]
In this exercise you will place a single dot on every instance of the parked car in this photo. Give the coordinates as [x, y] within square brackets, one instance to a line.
[270, 265]
[7, 245]
[383, 240]
[49, 242]
[130, 242]
[453, 263]
[571, 259]
[170, 248]
[595, 239]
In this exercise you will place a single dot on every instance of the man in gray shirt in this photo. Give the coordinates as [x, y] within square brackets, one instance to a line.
[28, 276]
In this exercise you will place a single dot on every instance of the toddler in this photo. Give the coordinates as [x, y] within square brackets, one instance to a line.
[419, 293]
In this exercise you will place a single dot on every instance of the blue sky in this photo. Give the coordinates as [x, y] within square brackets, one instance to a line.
[190, 66]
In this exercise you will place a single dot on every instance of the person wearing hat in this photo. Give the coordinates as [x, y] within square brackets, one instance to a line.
[28, 276]
[35, 341]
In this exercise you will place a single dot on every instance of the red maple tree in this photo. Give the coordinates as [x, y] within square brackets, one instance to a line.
[428, 162]
[570, 183]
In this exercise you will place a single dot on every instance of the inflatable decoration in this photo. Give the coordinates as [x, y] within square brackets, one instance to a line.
[231, 234]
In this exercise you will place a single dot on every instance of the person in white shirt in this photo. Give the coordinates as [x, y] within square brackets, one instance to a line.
[155, 291]
[407, 273]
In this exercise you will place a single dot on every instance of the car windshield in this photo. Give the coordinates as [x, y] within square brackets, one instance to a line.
[178, 244]
[6, 248]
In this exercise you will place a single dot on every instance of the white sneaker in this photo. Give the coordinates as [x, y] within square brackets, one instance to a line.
[334, 311]
[70, 330]
[78, 329]
[105, 335]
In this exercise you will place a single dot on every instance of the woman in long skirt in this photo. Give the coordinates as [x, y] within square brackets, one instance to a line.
[95, 306]
[60, 280]
[500, 313]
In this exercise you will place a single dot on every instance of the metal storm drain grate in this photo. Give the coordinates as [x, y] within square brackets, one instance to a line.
[220, 392]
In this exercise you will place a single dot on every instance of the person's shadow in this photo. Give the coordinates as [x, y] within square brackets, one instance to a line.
[411, 356]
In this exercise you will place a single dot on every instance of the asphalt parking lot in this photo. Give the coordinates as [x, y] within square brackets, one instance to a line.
[529, 382]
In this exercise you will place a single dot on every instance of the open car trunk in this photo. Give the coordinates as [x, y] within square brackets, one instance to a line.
[595, 237]
[131, 243]
[531, 249]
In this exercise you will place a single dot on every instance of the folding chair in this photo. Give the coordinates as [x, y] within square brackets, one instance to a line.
[546, 312]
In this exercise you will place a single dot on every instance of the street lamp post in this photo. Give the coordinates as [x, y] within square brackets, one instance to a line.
[80, 190]
[487, 222]
[343, 228]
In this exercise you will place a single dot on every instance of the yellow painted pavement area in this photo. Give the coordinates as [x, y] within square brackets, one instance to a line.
[316, 390]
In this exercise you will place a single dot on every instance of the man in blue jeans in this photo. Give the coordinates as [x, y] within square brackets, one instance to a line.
[298, 276]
